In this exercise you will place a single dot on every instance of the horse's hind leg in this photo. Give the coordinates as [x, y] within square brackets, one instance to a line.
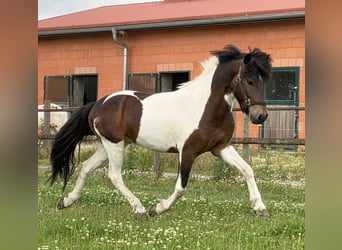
[115, 156]
[88, 167]
[229, 155]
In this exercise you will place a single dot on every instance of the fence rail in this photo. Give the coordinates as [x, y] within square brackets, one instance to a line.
[271, 108]
[235, 140]
[245, 140]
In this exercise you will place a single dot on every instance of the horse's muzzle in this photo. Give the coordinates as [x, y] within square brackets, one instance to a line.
[257, 114]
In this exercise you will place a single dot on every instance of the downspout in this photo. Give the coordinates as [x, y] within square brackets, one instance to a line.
[125, 52]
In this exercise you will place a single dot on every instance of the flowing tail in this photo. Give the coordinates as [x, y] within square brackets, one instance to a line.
[62, 152]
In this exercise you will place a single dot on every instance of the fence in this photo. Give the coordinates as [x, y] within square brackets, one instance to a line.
[245, 140]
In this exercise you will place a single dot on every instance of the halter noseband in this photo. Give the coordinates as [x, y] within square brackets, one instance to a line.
[238, 82]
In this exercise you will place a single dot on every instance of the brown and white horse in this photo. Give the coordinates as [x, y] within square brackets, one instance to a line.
[194, 119]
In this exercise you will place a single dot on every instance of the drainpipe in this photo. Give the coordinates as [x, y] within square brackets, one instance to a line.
[124, 45]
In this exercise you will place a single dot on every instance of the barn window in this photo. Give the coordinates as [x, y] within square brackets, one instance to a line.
[57, 89]
[74, 90]
[169, 81]
[282, 91]
[153, 82]
[283, 88]
[143, 82]
[84, 89]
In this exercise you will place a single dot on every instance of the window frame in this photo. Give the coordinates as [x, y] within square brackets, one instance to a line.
[70, 87]
[68, 100]
[153, 75]
[296, 86]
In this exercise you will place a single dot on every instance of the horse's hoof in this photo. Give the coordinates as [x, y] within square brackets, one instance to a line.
[141, 216]
[60, 204]
[262, 213]
[153, 211]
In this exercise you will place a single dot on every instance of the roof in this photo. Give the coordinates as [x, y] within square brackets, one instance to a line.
[166, 12]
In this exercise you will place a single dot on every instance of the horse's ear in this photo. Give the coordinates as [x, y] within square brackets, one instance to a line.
[247, 58]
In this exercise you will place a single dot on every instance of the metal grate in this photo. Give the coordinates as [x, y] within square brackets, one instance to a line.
[283, 87]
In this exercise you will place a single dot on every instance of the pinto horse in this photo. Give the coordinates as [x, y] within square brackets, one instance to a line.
[194, 119]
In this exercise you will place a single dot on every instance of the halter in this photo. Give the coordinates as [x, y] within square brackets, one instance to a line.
[238, 83]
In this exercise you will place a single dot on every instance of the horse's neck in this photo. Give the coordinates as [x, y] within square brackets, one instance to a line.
[197, 92]
[220, 103]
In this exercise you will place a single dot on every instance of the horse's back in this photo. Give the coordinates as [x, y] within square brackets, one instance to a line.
[117, 116]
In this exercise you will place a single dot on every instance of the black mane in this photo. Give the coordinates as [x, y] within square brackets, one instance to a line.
[260, 62]
[228, 53]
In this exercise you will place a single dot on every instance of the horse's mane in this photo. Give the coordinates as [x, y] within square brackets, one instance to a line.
[228, 53]
[260, 61]
[208, 66]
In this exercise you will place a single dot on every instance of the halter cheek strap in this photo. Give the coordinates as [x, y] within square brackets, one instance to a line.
[238, 83]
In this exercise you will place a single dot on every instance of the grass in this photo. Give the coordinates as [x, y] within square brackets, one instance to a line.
[213, 214]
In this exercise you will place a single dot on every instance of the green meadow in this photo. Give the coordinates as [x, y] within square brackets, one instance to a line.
[214, 213]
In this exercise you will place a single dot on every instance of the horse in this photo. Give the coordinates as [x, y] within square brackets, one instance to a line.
[57, 119]
[194, 119]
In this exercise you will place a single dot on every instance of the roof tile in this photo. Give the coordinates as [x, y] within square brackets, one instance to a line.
[167, 10]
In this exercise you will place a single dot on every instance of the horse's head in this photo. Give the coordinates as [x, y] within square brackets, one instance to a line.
[249, 73]
[248, 84]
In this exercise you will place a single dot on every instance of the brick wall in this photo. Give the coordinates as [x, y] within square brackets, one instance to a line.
[170, 50]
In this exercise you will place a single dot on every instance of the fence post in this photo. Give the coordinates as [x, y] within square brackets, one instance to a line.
[46, 128]
[156, 164]
[245, 147]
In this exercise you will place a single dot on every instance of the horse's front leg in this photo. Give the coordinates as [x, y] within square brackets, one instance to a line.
[88, 167]
[230, 155]
[182, 180]
[115, 155]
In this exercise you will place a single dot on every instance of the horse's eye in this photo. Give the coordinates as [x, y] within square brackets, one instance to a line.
[250, 82]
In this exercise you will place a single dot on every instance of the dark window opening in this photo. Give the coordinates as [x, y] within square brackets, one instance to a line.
[75, 90]
[84, 89]
[171, 81]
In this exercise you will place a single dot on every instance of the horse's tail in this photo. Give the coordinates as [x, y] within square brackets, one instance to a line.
[62, 152]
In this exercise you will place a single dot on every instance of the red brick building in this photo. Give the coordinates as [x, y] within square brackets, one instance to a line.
[154, 46]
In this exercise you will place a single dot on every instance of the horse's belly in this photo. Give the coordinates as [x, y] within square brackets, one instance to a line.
[163, 134]
[156, 139]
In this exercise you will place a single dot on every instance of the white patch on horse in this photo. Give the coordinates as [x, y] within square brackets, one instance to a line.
[165, 204]
[88, 167]
[125, 92]
[230, 99]
[115, 152]
[230, 155]
[178, 113]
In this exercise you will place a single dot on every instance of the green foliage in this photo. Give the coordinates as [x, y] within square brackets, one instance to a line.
[213, 214]
[137, 158]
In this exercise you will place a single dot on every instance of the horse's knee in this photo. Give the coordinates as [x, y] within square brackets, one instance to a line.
[116, 179]
[85, 171]
[248, 173]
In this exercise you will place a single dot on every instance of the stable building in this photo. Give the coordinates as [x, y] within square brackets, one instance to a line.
[154, 46]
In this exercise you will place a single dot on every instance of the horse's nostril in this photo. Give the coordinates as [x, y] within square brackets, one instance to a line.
[262, 117]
